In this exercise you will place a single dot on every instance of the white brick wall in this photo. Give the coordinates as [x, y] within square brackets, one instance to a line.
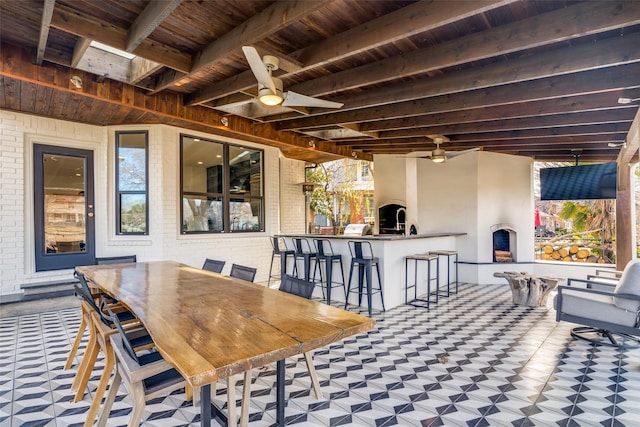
[17, 134]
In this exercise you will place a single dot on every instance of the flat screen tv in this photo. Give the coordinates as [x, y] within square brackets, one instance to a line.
[583, 182]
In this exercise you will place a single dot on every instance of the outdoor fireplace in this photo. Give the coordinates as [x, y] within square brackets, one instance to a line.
[504, 243]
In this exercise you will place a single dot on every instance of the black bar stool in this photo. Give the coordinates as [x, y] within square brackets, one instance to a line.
[304, 252]
[449, 254]
[362, 257]
[280, 251]
[328, 257]
[415, 301]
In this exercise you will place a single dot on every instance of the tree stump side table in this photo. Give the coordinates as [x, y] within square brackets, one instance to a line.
[528, 289]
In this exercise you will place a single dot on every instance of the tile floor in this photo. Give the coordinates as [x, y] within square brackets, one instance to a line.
[475, 359]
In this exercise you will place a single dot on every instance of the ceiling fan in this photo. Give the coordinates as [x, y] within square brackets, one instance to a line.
[270, 88]
[438, 155]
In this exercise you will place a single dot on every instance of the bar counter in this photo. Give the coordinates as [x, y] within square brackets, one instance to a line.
[391, 249]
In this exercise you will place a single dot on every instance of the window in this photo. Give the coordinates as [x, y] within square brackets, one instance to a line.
[222, 187]
[132, 212]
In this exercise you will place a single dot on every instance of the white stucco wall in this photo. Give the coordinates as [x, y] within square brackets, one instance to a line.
[18, 133]
[468, 194]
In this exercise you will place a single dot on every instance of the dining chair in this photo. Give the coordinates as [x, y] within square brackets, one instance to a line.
[304, 289]
[213, 265]
[242, 272]
[99, 340]
[116, 259]
[83, 292]
[145, 374]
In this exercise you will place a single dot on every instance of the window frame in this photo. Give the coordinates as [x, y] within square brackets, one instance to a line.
[226, 196]
[119, 193]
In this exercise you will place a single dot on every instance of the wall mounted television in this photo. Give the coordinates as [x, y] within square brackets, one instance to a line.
[583, 182]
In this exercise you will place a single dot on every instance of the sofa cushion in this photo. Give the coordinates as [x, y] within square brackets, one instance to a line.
[629, 284]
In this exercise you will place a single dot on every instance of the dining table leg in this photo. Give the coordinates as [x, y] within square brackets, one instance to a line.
[205, 405]
[280, 402]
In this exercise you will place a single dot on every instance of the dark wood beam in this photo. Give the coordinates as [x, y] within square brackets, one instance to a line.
[548, 28]
[410, 20]
[540, 110]
[416, 18]
[45, 24]
[594, 81]
[258, 27]
[150, 18]
[557, 62]
[563, 118]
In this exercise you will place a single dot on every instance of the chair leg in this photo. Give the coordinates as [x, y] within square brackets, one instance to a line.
[246, 397]
[312, 373]
[111, 397]
[82, 368]
[137, 395]
[76, 342]
[270, 269]
[83, 375]
[102, 385]
[346, 296]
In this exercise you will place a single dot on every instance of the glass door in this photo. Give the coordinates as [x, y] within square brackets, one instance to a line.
[64, 207]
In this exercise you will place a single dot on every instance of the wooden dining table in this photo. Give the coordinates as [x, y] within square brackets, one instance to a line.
[210, 326]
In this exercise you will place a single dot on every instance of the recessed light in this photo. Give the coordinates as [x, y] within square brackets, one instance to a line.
[200, 163]
[218, 156]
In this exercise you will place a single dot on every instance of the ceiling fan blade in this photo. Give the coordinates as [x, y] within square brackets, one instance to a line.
[258, 68]
[293, 99]
[418, 155]
[460, 153]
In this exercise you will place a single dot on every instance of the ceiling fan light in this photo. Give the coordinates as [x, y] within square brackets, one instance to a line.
[268, 98]
[438, 156]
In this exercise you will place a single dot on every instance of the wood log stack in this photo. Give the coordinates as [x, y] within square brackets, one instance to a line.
[572, 253]
[502, 256]
[529, 290]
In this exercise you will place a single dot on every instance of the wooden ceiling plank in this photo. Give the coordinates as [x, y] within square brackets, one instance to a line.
[561, 61]
[83, 25]
[540, 109]
[258, 27]
[415, 18]
[553, 27]
[150, 18]
[547, 88]
[535, 122]
[45, 24]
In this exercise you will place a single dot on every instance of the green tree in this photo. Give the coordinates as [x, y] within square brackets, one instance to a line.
[594, 218]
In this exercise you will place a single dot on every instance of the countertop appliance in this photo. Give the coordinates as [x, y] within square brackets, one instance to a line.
[354, 230]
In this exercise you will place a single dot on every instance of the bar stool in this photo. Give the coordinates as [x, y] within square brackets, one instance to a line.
[362, 257]
[448, 254]
[304, 252]
[277, 243]
[328, 257]
[419, 302]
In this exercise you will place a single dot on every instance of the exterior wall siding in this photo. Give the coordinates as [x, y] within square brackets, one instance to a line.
[18, 132]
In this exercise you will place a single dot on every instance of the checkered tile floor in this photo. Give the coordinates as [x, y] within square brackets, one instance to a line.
[474, 359]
